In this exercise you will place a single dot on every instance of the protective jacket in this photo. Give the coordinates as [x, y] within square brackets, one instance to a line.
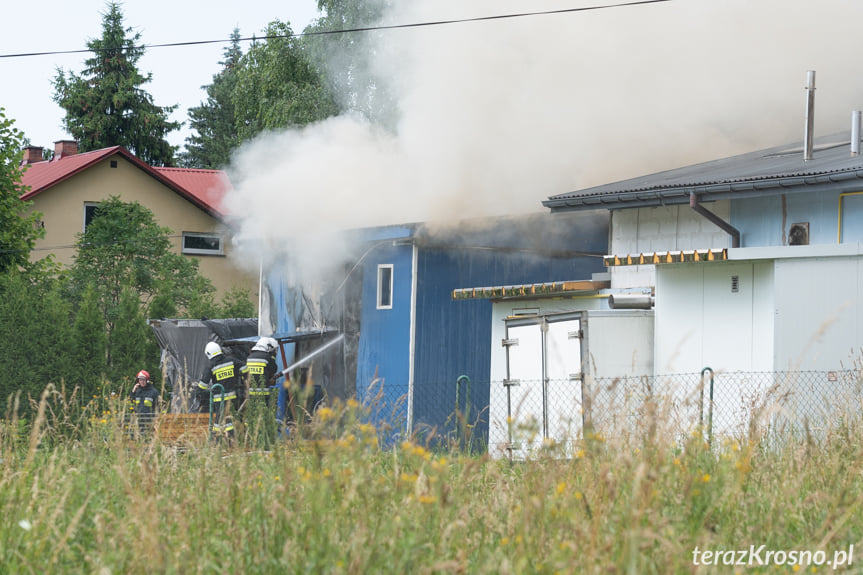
[262, 369]
[226, 371]
[145, 399]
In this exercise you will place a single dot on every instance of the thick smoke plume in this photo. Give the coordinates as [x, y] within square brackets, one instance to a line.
[495, 116]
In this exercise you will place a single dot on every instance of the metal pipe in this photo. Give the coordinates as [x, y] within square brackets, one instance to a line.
[630, 301]
[856, 116]
[722, 224]
[810, 115]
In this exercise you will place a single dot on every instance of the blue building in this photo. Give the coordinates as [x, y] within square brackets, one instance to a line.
[407, 342]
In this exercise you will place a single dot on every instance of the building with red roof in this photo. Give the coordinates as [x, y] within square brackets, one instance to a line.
[67, 189]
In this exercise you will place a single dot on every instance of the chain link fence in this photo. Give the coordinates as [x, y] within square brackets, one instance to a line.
[517, 418]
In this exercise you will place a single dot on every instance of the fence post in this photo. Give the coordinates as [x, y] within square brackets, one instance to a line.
[462, 379]
[710, 412]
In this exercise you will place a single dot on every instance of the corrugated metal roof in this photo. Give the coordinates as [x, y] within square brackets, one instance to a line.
[204, 188]
[772, 171]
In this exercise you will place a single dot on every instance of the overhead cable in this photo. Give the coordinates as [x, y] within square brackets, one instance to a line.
[343, 31]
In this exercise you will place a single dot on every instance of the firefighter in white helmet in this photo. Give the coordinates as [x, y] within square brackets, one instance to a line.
[262, 368]
[228, 372]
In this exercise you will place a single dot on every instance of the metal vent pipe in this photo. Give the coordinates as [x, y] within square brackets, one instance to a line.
[856, 116]
[810, 115]
[630, 301]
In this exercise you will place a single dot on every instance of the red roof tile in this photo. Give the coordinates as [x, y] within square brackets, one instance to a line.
[204, 188]
[209, 186]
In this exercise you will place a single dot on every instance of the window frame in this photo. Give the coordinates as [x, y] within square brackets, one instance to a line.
[88, 206]
[200, 251]
[380, 280]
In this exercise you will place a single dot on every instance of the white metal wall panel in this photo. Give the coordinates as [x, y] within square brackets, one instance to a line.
[726, 311]
[763, 312]
[679, 319]
[620, 343]
[817, 313]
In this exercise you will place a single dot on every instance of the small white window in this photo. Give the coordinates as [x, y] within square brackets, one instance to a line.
[385, 286]
[202, 244]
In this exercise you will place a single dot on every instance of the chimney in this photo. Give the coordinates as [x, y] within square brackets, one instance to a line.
[810, 115]
[63, 148]
[32, 154]
[855, 132]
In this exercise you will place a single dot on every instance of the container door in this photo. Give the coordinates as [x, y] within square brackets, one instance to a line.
[565, 411]
[524, 387]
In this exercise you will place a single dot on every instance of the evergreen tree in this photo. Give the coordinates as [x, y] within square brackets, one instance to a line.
[89, 345]
[347, 60]
[130, 340]
[213, 123]
[277, 87]
[125, 247]
[34, 336]
[18, 229]
[106, 106]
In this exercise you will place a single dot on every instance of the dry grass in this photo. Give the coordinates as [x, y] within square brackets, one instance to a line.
[90, 500]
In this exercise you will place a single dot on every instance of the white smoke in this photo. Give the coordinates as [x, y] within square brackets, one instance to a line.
[495, 116]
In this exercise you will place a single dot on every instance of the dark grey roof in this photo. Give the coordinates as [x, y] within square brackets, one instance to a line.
[778, 170]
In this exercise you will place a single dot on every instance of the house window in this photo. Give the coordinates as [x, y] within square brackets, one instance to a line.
[202, 244]
[385, 286]
[89, 214]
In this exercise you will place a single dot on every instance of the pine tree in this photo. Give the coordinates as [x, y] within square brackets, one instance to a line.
[106, 106]
[130, 340]
[213, 123]
[89, 345]
[34, 336]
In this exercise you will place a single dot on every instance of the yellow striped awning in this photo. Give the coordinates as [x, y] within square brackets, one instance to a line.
[526, 290]
[675, 257]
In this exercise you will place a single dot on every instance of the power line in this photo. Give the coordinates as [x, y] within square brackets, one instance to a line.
[348, 30]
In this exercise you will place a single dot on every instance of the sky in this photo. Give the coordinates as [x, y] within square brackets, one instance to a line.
[178, 73]
[496, 116]
[492, 116]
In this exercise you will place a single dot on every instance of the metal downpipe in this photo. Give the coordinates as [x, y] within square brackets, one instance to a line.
[719, 222]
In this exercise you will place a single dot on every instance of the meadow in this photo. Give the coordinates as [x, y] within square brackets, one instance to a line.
[78, 495]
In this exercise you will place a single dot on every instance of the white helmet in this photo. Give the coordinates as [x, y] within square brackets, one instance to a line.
[266, 344]
[212, 350]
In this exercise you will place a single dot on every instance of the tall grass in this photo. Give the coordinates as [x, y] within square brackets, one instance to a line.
[337, 501]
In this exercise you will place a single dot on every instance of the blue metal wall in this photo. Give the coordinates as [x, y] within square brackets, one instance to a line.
[760, 220]
[383, 355]
[453, 338]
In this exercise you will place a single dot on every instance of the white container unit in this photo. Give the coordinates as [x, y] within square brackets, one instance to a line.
[553, 371]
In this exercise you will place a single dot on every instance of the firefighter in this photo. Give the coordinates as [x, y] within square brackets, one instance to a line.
[261, 366]
[146, 401]
[228, 372]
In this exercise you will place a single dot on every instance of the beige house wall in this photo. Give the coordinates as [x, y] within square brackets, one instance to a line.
[62, 208]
